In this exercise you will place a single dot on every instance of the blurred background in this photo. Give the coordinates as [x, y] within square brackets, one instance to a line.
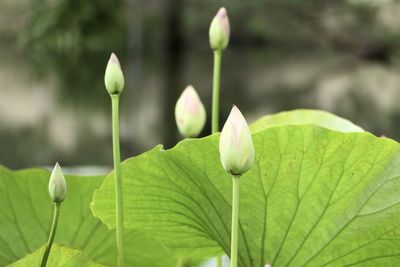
[342, 56]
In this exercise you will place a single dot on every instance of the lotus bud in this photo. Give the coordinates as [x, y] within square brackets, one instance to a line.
[220, 30]
[235, 144]
[114, 78]
[57, 184]
[190, 114]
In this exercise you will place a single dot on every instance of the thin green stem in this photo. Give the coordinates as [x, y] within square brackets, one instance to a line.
[52, 234]
[219, 261]
[181, 262]
[118, 180]
[215, 98]
[215, 107]
[235, 220]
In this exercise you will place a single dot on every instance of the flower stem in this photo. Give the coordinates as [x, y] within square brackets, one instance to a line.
[52, 234]
[215, 98]
[181, 262]
[118, 180]
[235, 219]
[215, 107]
[219, 261]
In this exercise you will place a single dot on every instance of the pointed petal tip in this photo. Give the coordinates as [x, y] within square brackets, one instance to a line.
[222, 12]
[189, 87]
[113, 59]
[235, 109]
[190, 91]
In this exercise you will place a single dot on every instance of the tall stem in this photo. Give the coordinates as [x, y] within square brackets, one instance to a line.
[180, 262]
[219, 261]
[118, 180]
[215, 107]
[215, 98]
[52, 233]
[235, 220]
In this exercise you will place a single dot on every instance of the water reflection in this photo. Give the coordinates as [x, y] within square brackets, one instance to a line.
[54, 106]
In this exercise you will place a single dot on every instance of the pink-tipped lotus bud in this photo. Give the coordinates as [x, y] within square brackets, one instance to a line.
[190, 114]
[114, 78]
[57, 184]
[235, 144]
[220, 30]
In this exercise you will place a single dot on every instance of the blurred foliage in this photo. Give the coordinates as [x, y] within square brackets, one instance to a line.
[361, 26]
[62, 35]
[342, 56]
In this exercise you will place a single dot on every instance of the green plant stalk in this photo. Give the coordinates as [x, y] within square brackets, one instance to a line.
[52, 234]
[219, 261]
[215, 97]
[235, 219]
[215, 106]
[118, 181]
[180, 262]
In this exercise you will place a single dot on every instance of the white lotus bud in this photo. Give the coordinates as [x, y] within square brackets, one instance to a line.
[220, 30]
[190, 114]
[57, 184]
[235, 144]
[114, 78]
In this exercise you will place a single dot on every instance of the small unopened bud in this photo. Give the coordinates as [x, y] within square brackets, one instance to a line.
[190, 114]
[220, 30]
[114, 78]
[235, 144]
[57, 184]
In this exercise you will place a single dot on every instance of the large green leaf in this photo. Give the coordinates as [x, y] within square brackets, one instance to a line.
[306, 116]
[314, 197]
[26, 213]
[59, 257]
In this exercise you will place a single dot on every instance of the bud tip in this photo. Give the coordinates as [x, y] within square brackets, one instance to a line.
[114, 60]
[222, 12]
